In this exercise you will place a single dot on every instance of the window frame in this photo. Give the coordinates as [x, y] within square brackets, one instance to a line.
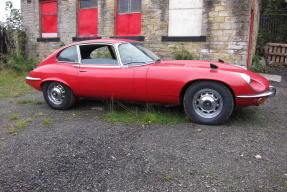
[77, 51]
[129, 8]
[79, 7]
[114, 46]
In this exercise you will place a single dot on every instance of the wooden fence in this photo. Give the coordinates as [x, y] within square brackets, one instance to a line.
[276, 53]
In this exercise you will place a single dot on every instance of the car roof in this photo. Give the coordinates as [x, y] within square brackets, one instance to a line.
[104, 41]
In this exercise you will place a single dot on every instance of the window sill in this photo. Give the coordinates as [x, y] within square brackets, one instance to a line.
[84, 38]
[137, 38]
[50, 39]
[184, 39]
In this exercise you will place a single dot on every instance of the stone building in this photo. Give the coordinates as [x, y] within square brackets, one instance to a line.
[210, 29]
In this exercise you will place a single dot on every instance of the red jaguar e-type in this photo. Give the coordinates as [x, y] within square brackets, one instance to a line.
[126, 70]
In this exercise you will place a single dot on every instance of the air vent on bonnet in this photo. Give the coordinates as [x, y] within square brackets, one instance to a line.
[213, 66]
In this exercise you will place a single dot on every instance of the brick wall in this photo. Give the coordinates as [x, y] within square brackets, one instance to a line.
[225, 24]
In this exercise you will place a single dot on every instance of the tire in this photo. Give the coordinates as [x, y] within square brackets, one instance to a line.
[208, 102]
[58, 95]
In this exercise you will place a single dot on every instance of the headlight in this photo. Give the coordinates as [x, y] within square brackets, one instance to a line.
[245, 77]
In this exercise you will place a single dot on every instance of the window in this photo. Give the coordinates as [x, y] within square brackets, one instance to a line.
[98, 54]
[69, 55]
[86, 4]
[49, 18]
[185, 17]
[129, 6]
[88, 18]
[135, 53]
[128, 18]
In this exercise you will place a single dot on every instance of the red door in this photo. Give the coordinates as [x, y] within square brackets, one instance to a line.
[88, 18]
[49, 18]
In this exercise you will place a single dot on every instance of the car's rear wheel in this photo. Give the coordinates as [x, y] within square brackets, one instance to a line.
[208, 102]
[58, 95]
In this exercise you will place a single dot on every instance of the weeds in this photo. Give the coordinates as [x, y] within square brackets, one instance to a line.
[13, 129]
[26, 101]
[257, 65]
[48, 121]
[179, 52]
[39, 114]
[14, 116]
[166, 178]
[143, 116]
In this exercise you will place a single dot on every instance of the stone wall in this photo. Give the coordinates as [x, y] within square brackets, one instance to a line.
[225, 24]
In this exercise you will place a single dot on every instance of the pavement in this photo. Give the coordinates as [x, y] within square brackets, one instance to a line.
[78, 151]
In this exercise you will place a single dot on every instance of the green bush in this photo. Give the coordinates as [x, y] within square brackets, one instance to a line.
[181, 53]
[257, 65]
[20, 64]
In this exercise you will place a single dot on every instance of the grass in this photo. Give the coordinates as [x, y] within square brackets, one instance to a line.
[14, 116]
[13, 129]
[276, 177]
[39, 114]
[166, 178]
[13, 84]
[145, 117]
[26, 101]
[48, 121]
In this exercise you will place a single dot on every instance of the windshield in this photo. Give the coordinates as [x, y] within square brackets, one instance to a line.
[136, 53]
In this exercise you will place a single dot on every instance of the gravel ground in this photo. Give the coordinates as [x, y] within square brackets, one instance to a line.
[80, 152]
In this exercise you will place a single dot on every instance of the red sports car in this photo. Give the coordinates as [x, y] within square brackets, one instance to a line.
[126, 70]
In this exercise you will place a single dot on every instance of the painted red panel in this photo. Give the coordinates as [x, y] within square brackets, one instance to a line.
[49, 16]
[88, 22]
[128, 24]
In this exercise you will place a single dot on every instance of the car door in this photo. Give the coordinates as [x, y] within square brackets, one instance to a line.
[101, 74]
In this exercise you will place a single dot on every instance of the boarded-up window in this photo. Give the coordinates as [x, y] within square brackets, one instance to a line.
[88, 18]
[129, 6]
[185, 17]
[49, 18]
[128, 20]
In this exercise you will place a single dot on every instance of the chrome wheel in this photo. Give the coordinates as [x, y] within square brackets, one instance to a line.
[56, 93]
[207, 103]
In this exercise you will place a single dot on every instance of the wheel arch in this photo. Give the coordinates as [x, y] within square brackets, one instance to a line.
[55, 80]
[188, 84]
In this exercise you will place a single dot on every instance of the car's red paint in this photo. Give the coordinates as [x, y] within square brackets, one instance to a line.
[161, 82]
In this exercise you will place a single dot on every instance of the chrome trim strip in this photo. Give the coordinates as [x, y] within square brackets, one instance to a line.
[33, 78]
[270, 93]
[98, 66]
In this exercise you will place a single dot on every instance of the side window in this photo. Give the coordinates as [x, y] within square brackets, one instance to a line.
[69, 55]
[98, 55]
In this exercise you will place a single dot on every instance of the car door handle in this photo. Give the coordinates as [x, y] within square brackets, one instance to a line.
[83, 71]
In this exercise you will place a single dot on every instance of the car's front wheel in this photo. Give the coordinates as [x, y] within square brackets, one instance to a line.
[58, 95]
[208, 102]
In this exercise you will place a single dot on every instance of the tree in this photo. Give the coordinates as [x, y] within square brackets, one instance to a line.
[14, 18]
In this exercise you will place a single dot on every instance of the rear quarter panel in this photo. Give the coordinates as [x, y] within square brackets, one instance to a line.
[65, 73]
